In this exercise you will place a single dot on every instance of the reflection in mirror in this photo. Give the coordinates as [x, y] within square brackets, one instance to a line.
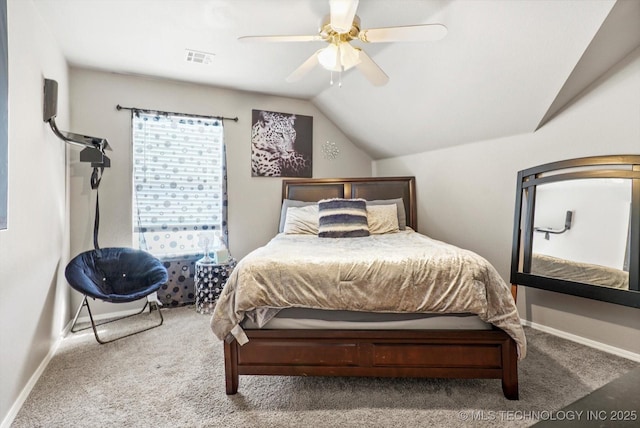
[593, 249]
[577, 228]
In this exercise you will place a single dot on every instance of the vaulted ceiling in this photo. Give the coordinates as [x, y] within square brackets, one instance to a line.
[504, 68]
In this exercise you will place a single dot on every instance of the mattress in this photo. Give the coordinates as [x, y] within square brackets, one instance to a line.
[317, 319]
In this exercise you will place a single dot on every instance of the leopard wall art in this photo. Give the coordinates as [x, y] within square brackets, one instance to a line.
[273, 152]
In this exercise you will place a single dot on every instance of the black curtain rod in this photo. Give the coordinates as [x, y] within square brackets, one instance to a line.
[119, 107]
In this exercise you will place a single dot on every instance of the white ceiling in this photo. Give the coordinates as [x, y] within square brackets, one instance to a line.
[497, 73]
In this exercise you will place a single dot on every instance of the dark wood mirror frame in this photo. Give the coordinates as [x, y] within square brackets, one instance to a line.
[621, 167]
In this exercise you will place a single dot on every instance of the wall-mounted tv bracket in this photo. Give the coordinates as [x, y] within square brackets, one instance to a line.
[567, 225]
[94, 147]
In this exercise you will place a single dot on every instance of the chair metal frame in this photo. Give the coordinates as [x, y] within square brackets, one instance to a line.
[85, 302]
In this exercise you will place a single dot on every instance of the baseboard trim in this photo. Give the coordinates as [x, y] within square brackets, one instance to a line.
[24, 394]
[584, 341]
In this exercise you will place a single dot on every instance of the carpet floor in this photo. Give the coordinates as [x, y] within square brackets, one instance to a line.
[173, 376]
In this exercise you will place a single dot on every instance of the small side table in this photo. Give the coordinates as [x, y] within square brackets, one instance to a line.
[210, 279]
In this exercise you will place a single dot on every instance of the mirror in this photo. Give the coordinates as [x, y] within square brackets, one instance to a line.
[577, 228]
[592, 246]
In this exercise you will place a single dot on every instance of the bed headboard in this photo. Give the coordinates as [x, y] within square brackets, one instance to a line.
[370, 188]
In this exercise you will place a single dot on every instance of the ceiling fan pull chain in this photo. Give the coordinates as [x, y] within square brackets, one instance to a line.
[339, 79]
[331, 80]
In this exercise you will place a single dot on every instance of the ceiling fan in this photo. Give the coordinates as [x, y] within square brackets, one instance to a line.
[338, 29]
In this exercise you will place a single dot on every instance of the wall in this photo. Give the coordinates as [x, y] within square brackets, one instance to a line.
[466, 195]
[254, 203]
[34, 307]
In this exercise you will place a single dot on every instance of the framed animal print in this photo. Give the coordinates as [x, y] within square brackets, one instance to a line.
[281, 144]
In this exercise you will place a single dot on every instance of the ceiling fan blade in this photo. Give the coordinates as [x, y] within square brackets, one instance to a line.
[261, 39]
[306, 67]
[408, 33]
[371, 70]
[342, 14]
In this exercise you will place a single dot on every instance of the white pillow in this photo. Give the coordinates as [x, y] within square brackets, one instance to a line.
[382, 219]
[286, 203]
[301, 220]
[402, 216]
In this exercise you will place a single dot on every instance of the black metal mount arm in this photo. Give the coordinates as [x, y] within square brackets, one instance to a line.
[567, 225]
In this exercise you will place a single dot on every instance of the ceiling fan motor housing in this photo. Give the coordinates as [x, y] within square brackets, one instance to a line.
[330, 35]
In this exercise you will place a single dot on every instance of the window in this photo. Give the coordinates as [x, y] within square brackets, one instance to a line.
[178, 180]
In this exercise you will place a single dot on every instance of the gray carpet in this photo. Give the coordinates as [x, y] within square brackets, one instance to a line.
[173, 376]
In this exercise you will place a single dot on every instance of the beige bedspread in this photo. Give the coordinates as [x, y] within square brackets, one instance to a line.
[588, 273]
[398, 272]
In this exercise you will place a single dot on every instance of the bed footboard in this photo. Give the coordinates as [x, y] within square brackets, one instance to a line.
[381, 353]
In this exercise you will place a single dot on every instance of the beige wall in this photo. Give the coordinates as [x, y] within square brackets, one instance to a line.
[34, 249]
[253, 202]
[466, 195]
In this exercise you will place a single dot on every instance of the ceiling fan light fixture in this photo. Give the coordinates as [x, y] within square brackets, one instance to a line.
[339, 57]
[349, 56]
[328, 58]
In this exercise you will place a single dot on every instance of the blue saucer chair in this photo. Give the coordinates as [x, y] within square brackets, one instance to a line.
[116, 275]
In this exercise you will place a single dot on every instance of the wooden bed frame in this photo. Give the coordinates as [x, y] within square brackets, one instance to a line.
[374, 353]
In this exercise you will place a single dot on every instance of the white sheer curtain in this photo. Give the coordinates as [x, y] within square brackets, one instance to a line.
[179, 180]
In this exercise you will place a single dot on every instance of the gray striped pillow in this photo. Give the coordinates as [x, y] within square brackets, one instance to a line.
[342, 218]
